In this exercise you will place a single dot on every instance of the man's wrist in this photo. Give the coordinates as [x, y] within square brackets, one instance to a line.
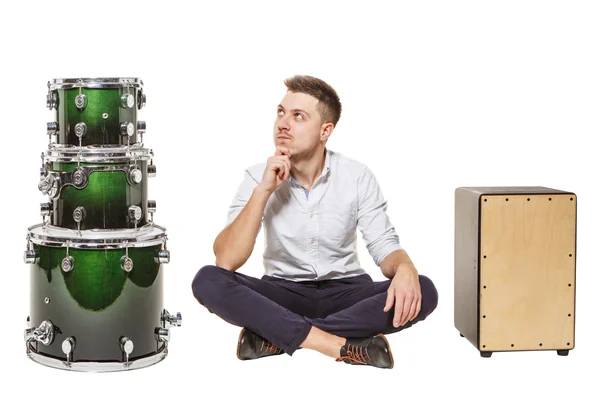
[260, 191]
[405, 268]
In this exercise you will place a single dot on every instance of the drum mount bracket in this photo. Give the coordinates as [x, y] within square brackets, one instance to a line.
[52, 182]
[162, 333]
[43, 334]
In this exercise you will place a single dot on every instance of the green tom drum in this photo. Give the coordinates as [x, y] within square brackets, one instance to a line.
[96, 111]
[97, 188]
[97, 298]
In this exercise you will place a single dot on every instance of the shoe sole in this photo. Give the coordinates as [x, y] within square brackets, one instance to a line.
[389, 349]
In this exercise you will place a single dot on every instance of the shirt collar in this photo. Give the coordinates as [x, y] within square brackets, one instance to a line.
[326, 168]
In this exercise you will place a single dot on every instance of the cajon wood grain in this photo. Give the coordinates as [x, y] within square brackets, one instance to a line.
[514, 261]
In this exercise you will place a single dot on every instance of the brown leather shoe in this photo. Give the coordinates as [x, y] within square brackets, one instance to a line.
[252, 346]
[374, 351]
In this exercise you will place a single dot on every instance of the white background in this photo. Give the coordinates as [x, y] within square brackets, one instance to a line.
[436, 95]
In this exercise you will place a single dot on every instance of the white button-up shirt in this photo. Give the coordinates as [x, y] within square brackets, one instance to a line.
[311, 235]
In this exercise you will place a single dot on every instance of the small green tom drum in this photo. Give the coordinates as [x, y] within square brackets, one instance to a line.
[96, 111]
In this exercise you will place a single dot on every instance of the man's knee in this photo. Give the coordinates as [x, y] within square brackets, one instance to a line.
[429, 295]
[207, 282]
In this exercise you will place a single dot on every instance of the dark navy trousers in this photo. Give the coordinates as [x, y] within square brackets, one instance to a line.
[283, 311]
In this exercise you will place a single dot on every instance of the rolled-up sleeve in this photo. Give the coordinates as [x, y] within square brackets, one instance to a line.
[240, 199]
[377, 230]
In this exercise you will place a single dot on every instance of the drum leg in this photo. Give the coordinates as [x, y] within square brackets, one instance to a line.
[486, 354]
[563, 352]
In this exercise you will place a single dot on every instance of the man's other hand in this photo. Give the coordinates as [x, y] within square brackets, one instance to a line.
[405, 293]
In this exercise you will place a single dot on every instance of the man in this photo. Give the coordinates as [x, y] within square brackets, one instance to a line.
[314, 293]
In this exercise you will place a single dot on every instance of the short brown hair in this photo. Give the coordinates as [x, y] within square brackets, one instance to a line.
[329, 105]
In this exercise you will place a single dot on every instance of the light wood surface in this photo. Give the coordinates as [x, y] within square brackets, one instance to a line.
[527, 271]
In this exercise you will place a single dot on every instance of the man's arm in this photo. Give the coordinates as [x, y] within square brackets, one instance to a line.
[404, 292]
[398, 261]
[377, 230]
[234, 245]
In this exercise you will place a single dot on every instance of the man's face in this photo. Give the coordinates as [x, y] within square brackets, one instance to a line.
[298, 124]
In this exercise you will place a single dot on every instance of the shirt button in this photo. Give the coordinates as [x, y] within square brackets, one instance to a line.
[313, 241]
[311, 215]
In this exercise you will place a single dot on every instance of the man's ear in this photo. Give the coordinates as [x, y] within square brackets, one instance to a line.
[326, 130]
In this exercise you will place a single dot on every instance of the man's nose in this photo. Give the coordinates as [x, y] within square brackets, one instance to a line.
[283, 123]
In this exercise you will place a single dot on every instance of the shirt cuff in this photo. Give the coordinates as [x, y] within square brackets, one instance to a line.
[385, 250]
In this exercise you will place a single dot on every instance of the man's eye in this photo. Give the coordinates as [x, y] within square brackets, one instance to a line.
[298, 115]
[280, 112]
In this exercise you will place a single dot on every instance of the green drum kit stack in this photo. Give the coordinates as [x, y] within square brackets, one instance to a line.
[96, 260]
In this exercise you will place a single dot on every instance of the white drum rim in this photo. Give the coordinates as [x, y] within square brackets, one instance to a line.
[54, 236]
[97, 154]
[95, 83]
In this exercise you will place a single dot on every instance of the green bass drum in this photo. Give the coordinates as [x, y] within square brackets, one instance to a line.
[97, 298]
[96, 111]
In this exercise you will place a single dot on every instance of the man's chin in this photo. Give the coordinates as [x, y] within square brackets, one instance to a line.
[283, 143]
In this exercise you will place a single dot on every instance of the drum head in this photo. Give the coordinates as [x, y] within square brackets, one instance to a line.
[48, 235]
[97, 153]
[95, 83]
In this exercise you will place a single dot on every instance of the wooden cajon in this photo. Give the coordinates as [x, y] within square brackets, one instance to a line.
[514, 268]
